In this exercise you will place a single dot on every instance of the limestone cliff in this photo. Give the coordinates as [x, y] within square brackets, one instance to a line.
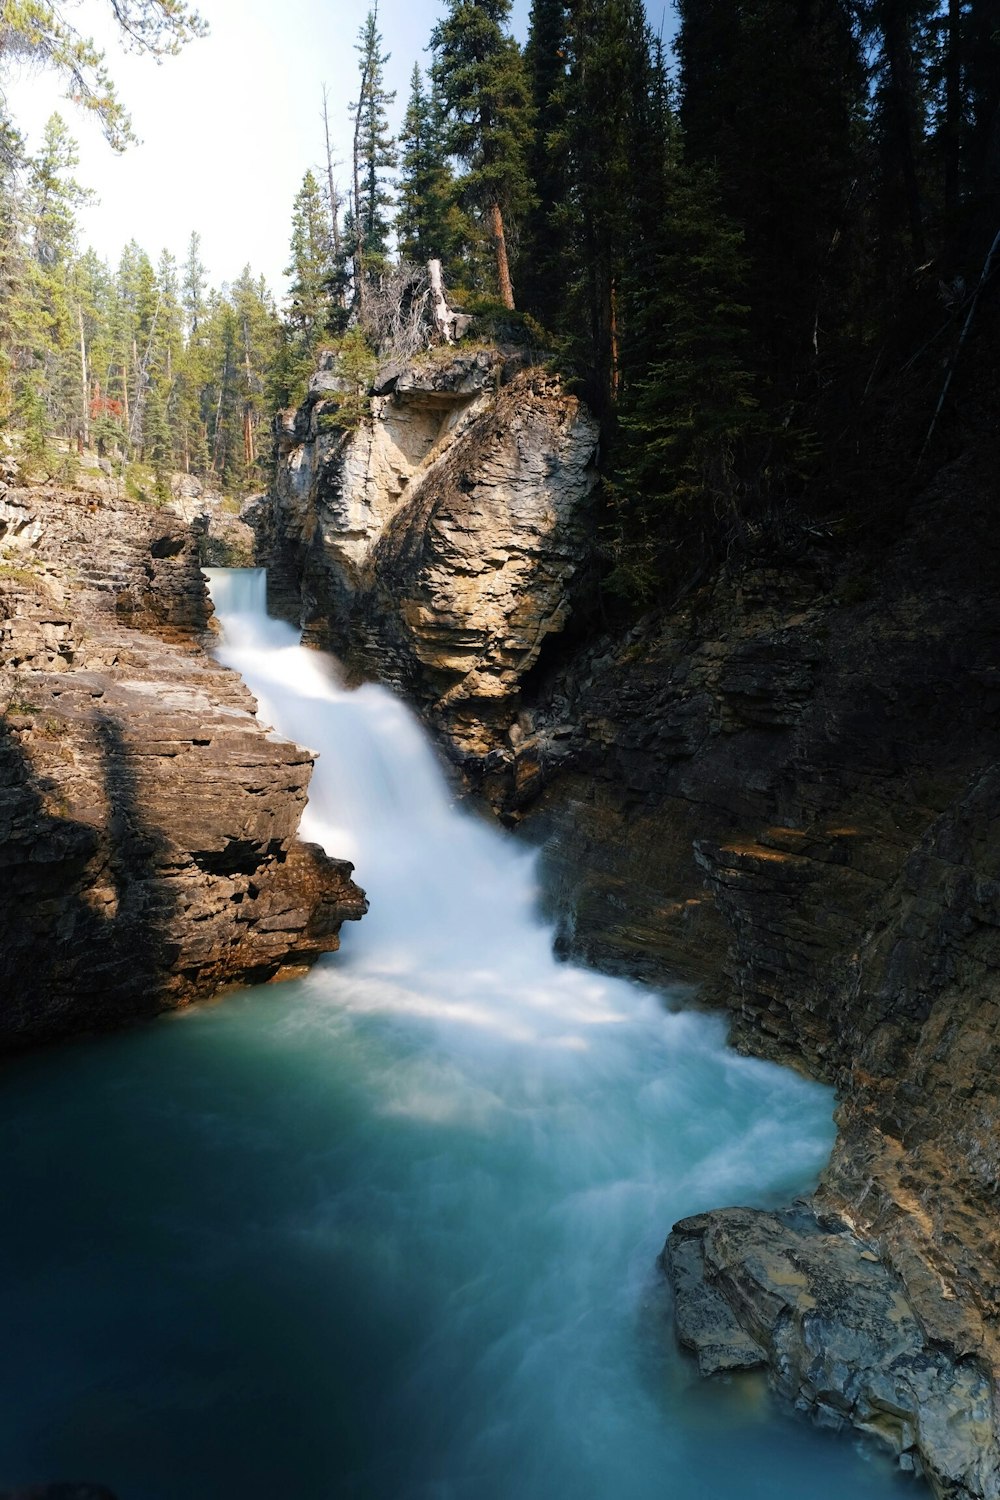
[435, 547]
[783, 788]
[147, 820]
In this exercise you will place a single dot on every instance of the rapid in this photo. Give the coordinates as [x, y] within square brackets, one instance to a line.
[390, 1232]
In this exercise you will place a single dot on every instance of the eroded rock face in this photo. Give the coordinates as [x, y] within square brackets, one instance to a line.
[806, 1297]
[435, 547]
[788, 789]
[147, 820]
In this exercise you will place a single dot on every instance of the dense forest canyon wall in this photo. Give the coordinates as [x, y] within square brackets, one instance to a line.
[149, 821]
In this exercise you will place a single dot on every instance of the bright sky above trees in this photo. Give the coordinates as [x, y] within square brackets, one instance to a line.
[229, 126]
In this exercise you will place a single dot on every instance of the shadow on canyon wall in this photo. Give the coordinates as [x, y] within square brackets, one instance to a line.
[86, 914]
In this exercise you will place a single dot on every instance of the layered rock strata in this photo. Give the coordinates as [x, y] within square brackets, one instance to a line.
[789, 790]
[147, 820]
[435, 546]
[784, 789]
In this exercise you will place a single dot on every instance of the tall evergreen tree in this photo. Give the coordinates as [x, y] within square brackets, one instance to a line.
[193, 284]
[772, 94]
[429, 222]
[547, 229]
[687, 409]
[313, 275]
[480, 71]
[610, 91]
[374, 153]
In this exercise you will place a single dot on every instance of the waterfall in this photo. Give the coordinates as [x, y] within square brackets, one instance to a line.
[390, 1232]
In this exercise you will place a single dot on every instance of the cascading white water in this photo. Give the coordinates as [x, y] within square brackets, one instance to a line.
[390, 1233]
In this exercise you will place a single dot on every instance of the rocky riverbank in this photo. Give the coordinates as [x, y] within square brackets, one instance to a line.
[783, 788]
[149, 821]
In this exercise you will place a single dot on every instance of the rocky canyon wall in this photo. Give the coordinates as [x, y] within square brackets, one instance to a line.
[148, 822]
[784, 789]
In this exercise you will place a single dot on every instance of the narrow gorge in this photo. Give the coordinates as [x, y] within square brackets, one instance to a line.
[721, 796]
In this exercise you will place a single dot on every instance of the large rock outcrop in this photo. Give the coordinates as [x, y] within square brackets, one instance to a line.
[788, 789]
[435, 546]
[147, 820]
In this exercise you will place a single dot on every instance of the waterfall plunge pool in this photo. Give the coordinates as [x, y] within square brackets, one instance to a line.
[389, 1233]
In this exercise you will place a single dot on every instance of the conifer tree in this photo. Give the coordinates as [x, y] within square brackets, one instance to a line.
[609, 93]
[41, 31]
[429, 223]
[547, 230]
[194, 282]
[687, 409]
[374, 153]
[312, 273]
[480, 71]
[49, 374]
[746, 73]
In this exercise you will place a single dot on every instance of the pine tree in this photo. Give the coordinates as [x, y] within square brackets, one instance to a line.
[687, 410]
[610, 169]
[48, 376]
[257, 349]
[480, 71]
[429, 223]
[12, 259]
[40, 31]
[547, 229]
[374, 154]
[773, 94]
[313, 275]
[193, 284]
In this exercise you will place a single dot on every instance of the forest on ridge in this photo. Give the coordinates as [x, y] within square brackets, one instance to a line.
[754, 256]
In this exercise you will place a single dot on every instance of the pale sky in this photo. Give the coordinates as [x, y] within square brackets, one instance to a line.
[229, 127]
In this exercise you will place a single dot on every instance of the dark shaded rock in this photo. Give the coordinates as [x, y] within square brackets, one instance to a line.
[148, 822]
[59, 1492]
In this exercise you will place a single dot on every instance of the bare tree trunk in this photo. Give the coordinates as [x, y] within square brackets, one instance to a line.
[500, 249]
[441, 314]
[218, 419]
[613, 309]
[84, 393]
[332, 190]
[128, 419]
[359, 259]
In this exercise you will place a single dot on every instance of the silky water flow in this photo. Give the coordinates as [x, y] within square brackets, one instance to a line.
[390, 1232]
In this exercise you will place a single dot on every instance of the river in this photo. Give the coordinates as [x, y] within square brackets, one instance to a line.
[389, 1233]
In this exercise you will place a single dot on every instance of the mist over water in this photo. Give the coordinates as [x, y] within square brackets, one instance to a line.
[390, 1233]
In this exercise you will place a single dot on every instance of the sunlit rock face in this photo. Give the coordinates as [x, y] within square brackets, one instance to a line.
[149, 848]
[435, 546]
